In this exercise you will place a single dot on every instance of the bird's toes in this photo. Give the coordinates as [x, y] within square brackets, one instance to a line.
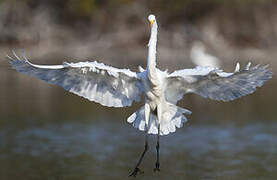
[135, 172]
[157, 168]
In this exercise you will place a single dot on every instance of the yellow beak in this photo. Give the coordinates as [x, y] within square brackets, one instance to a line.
[151, 23]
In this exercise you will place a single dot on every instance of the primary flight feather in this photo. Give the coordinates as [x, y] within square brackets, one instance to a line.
[115, 87]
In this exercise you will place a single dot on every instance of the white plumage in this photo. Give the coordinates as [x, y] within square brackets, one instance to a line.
[115, 87]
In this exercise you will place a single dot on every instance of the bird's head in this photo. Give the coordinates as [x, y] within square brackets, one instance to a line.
[151, 19]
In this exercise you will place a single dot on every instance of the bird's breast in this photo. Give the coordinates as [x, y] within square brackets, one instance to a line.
[154, 92]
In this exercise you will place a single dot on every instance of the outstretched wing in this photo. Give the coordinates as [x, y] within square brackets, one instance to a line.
[215, 84]
[95, 81]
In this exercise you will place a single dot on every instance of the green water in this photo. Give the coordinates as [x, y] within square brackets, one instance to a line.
[109, 150]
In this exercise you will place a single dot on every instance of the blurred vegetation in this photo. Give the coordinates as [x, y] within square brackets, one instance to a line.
[189, 9]
[240, 21]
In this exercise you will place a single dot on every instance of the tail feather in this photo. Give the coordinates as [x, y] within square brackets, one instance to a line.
[138, 119]
[173, 117]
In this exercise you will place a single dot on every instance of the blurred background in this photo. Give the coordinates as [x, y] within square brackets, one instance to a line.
[47, 133]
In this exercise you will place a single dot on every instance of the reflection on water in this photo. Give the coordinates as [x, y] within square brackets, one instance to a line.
[110, 151]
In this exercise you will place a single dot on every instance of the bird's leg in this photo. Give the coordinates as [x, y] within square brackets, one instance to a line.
[159, 116]
[157, 165]
[136, 170]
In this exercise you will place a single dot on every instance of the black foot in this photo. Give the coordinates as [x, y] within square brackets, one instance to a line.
[157, 168]
[135, 172]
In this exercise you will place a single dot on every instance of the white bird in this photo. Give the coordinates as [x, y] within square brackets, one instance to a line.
[159, 115]
[200, 57]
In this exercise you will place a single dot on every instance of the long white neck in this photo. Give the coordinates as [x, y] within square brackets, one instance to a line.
[151, 58]
[152, 45]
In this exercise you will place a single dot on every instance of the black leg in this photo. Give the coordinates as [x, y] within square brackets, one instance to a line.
[136, 170]
[157, 165]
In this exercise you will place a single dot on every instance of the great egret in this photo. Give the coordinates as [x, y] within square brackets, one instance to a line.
[115, 87]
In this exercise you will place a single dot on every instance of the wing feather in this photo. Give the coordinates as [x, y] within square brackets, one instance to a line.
[215, 84]
[95, 81]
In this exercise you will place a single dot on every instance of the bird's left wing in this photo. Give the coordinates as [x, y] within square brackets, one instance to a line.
[95, 81]
[214, 83]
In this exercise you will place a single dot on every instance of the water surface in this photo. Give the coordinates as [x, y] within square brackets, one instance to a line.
[109, 150]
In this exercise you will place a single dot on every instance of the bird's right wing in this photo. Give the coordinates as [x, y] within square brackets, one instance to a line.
[214, 83]
[95, 81]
